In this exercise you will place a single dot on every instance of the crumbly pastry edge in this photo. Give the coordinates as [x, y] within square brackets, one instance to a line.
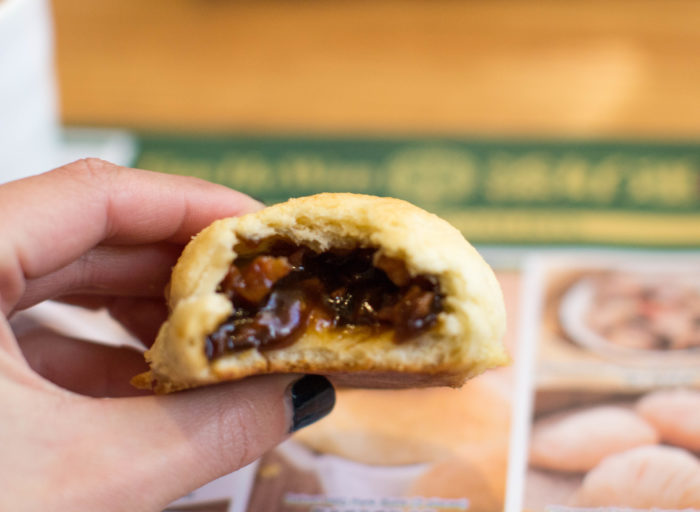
[465, 342]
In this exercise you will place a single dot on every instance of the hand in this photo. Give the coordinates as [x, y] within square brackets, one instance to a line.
[98, 235]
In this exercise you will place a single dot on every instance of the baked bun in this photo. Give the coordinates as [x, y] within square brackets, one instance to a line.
[372, 292]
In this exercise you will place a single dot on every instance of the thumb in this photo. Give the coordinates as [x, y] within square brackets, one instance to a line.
[162, 447]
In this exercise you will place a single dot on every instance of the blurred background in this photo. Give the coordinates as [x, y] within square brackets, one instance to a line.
[581, 68]
[486, 112]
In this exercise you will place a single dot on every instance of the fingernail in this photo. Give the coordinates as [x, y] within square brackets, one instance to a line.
[313, 397]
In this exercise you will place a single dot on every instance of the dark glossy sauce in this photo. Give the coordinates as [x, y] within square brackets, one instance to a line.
[276, 296]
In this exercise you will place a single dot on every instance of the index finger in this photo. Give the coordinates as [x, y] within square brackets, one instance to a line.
[49, 220]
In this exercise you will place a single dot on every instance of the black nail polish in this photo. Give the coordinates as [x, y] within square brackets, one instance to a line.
[313, 397]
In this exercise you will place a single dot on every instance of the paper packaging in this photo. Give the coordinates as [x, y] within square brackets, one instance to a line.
[609, 409]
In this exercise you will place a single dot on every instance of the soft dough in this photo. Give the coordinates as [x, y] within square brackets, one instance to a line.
[464, 342]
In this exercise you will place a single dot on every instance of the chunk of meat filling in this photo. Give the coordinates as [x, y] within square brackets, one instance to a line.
[395, 270]
[254, 281]
[276, 295]
[415, 312]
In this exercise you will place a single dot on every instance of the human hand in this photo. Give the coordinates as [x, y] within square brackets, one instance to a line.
[98, 235]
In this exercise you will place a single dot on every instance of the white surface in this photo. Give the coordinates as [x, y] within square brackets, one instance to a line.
[31, 139]
[342, 477]
[29, 128]
[531, 309]
[116, 146]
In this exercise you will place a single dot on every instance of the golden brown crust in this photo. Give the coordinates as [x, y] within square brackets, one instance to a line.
[465, 342]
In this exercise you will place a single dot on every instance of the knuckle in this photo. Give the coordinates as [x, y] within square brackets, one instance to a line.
[93, 173]
[98, 176]
[89, 168]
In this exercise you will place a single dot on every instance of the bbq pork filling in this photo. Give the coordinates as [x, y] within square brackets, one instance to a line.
[278, 294]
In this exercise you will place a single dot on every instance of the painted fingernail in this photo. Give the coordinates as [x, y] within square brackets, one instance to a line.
[313, 397]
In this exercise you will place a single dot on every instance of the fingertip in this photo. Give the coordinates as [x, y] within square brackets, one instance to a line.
[257, 205]
[252, 205]
[246, 203]
[260, 204]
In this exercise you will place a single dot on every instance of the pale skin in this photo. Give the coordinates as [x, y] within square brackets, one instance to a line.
[98, 235]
